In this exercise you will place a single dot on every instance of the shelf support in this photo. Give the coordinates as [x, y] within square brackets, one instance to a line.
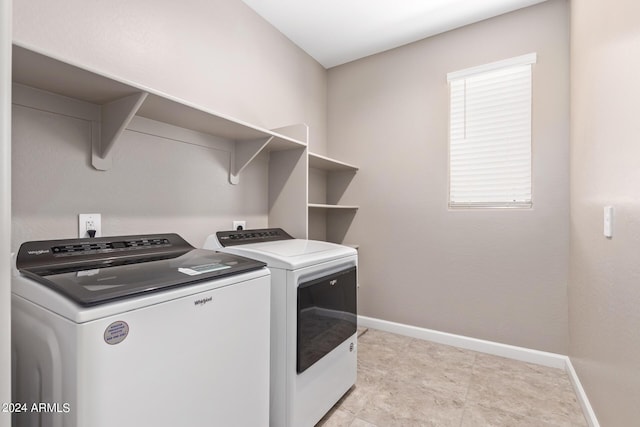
[115, 117]
[242, 154]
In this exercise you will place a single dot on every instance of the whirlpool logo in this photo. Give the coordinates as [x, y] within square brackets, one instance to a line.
[38, 252]
[203, 301]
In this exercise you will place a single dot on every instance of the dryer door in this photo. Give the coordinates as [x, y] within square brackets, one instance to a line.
[327, 315]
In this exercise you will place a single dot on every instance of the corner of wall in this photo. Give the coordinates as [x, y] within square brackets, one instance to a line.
[5, 208]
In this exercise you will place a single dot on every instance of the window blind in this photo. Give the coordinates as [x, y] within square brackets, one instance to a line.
[490, 135]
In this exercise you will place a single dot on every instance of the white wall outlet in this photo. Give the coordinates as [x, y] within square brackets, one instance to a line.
[608, 221]
[89, 222]
[239, 225]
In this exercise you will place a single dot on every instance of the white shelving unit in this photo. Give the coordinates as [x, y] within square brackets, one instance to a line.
[110, 103]
[119, 101]
[328, 179]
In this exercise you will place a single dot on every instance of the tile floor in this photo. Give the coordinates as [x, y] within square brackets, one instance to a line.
[409, 382]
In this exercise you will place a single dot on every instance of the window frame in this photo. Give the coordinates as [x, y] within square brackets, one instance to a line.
[518, 61]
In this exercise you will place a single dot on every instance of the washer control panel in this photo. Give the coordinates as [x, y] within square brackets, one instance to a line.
[244, 237]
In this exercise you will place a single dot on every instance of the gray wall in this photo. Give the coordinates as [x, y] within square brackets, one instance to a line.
[604, 291]
[217, 54]
[5, 207]
[499, 275]
[156, 184]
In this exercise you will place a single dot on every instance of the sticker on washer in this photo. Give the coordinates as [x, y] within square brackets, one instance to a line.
[205, 268]
[116, 332]
[88, 272]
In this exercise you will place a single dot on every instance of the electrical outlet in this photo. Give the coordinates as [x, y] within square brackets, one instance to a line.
[239, 225]
[89, 222]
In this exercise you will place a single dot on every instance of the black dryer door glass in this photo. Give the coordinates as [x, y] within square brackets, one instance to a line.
[327, 315]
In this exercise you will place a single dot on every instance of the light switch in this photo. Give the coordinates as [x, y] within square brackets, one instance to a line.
[608, 221]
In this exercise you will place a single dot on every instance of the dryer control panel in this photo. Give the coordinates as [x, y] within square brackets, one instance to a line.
[244, 237]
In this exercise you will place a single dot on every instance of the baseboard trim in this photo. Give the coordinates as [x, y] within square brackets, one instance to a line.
[587, 409]
[544, 358]
[552, 360]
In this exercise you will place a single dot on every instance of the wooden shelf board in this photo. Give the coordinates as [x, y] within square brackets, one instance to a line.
[50, 74]
[325, 206]
[43, 72]
[326, 163]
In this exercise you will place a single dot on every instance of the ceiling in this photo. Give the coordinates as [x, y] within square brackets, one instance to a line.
[338, 31]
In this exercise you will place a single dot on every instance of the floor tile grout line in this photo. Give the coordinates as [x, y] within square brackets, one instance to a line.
[466, 395]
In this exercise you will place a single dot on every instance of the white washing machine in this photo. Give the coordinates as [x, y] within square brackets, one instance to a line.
[138, 331]
[313, 320]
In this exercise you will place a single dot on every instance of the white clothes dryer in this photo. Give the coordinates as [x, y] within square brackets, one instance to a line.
[313, 320]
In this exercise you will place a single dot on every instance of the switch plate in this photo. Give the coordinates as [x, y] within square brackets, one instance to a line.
[608, 221]
[89, 222]
[237, 224]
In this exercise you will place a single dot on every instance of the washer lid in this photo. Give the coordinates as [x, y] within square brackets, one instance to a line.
[292, 254]
[96, 271]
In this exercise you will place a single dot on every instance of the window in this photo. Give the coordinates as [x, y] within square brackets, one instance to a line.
[490, 135]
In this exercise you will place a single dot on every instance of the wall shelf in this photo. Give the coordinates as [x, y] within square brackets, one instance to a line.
[329, 178]
[325, 206]
[328, 164]
[109, 103]
[120, 100]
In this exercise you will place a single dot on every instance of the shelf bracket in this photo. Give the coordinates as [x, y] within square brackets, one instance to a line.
[242, 154]
[114, 118]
